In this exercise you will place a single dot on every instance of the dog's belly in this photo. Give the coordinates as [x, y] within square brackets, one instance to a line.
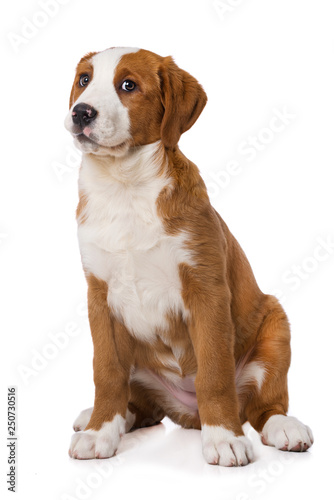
[178, 393]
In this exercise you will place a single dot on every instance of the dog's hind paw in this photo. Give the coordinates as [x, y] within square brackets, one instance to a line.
[287, 434]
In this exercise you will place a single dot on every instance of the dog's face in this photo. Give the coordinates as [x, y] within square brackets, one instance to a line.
[123, 97]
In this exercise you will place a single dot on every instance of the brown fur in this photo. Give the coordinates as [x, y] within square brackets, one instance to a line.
[84, 67]
[166, 102]
[144, 104]
[231, 322]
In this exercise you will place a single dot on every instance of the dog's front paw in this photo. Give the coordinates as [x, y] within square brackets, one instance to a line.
[98, 444]
[222, 447]
[287, 434]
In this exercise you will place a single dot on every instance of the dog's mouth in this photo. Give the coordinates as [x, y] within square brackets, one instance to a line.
[84, 139]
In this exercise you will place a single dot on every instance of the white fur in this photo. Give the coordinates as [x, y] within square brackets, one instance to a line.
[80, 423]
[98, 444]
[112, 124]
[130, 420]
[223, 447]
[83, 418]
[169, 362]
[253, 371]
[178, 351]
[287, 433]
[123, 241]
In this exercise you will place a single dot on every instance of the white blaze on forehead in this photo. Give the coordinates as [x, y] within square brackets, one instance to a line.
[101, 89]
[104, 65]
[105, 62]
[112, 125]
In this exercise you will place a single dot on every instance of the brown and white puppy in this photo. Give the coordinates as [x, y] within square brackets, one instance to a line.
[179, 325]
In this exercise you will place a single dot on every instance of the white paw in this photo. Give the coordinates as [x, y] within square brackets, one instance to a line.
[222, 447]
[287, 433]
[80, 423]
[98, 444]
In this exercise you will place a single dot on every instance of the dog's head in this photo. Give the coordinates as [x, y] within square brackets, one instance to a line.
[124, 97]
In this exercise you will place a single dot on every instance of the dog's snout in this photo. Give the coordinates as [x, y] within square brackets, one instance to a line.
[83, 114]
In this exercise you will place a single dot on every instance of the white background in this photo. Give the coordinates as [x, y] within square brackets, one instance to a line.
[257, 57]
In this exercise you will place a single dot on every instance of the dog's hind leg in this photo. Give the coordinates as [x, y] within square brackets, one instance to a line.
[143, 407]
[82, 419]
[263, 388]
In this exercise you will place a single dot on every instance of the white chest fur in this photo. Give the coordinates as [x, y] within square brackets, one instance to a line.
[123, 242]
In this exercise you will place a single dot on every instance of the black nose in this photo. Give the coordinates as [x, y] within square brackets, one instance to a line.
[83, 114]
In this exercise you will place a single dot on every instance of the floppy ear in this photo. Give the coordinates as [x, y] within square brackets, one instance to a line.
[183, 99]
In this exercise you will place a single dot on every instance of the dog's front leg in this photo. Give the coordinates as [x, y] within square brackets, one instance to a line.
[212, 334]
[223, 439]
[112, 364]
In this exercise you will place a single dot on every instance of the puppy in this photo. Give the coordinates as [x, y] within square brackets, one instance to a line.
[179, 325]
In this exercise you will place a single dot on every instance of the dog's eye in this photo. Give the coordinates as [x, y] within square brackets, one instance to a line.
[128, 85]
[84, 80]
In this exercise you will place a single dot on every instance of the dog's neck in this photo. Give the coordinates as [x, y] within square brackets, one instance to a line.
[140, 165]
